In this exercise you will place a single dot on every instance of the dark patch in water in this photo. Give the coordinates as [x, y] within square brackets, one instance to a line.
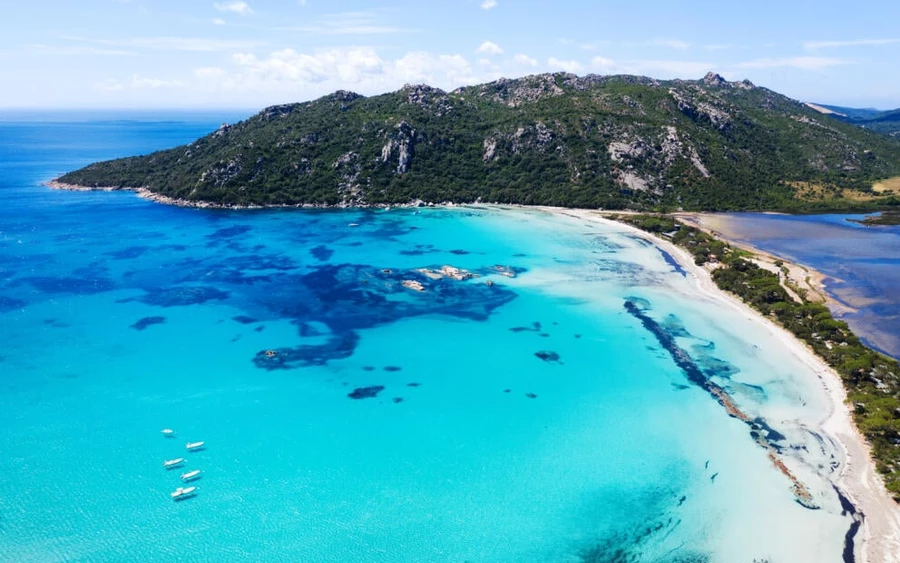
[548, 356]
[397, 400]
[63, 285]
[413, 384]
[368, 368]
[180, 296]
[148, 321]
[577, 336]
[55, 323]
[507, 390]
[339, 346]
[260, 328]
[412, 252]
[10, 304]
[849, 509]
[459, 252]
[680, 386]
[531, 395]
[366, 392]
[712, 478]
[128, 253]
[228, 232]
[321, 253]
[535, 327]
[243, 319]
[544, 335]
[672, 262]
[760, 431]
[392, 368]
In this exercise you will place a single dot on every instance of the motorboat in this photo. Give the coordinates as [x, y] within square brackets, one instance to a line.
[168, 433]
[173, 463]
[194, 446]
[182, 493]
[191, 475]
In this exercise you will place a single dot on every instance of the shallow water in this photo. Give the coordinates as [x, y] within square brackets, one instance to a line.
[531, 420]
[863, 263]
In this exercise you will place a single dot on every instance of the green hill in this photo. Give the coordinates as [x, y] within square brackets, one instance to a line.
[553, 139]
[884, 122]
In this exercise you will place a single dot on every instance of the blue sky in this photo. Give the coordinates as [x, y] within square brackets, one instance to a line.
[253, 53]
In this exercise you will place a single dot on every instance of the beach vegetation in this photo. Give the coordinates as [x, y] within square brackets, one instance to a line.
[871, 379]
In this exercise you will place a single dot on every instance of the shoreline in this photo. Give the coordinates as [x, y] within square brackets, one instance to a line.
[814, 280]
[146, 193]
[878, 538]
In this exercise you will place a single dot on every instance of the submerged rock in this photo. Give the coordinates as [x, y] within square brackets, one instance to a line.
[148, 321]
[366, 392]
[548, 356]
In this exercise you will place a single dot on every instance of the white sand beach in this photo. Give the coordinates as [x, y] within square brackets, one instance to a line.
[878, 540]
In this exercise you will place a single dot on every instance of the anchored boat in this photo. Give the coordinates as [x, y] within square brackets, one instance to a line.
[194, 446]
[182, 493]
[191, 475]
[168, 433]
[173, 463]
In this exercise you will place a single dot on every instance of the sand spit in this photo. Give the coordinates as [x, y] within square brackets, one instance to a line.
[878, 537]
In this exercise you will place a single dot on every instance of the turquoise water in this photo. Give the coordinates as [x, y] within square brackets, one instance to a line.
[862, 264]
[533, 419]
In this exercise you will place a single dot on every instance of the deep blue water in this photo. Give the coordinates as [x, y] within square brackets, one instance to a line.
[533, 419]
[862, 262]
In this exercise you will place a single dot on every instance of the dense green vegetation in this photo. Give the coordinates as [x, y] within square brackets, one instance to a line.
[556, 139]
[885, 218]
[884, 122]
[872, 380]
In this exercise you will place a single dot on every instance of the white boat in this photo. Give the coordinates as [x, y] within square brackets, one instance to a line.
[168, 433]
[173, 463]
[191, 475]
[194, 446]
[182, 493]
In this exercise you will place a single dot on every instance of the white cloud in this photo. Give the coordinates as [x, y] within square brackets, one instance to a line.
[568, 66]
[209, 72]
[488, 4]
[802, 63]
[656, 68]
[447, 71]
[287, 65]
[294, 75]
[667, 43]
[814, 45]
[603, 65]
[489, 48]
[193, 44]
[525, 60]
[138, 81]
[347, 23]
[241, 8]
[75, 50]
[218, 21]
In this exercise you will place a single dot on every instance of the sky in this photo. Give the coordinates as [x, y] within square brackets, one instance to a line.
[121, 54]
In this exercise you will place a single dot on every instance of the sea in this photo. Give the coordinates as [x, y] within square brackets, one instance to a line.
[554, 407]
[861, 264]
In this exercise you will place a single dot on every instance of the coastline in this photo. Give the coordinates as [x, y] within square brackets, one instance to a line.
[878, 537]
[146, 193]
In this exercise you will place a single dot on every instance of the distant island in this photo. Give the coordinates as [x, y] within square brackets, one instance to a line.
[612, 142]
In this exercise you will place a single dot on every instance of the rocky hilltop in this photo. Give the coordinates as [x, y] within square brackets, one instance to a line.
[552, 139]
